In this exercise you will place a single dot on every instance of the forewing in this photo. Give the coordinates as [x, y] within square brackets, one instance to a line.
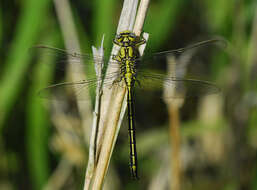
[82, 62]
[187, 55]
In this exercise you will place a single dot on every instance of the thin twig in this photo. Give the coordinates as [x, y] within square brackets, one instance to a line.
[92, 147]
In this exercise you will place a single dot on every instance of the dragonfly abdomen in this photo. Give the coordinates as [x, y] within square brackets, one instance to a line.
[132, 134]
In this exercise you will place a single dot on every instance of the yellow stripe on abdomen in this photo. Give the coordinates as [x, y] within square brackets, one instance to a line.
[132, 134]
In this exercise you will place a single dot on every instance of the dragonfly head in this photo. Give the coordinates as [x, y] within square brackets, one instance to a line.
[125, 39]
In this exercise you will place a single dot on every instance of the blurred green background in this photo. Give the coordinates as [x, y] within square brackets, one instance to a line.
[218, 133]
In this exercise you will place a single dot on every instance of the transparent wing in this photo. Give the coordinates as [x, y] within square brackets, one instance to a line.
[148, 67]
[195, 51]
[217, 42]
[81, 61]
[178, 72]
[65, 90]
[85, 62]
[175, 87]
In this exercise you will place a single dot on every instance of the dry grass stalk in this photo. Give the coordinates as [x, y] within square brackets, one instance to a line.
[96, 116]
[74, 73]
[174, 126]
[175, 148]
[65, 18]
[114, 108]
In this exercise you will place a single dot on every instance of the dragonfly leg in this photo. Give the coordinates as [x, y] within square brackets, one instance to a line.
[138, 82]
[141, 41]
[116, 58]
[117, 80]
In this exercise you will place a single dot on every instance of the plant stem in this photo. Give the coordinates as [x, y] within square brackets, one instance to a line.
[173, 109]
[96, 116]
[175, 150]
[74, 73]
[112, 111]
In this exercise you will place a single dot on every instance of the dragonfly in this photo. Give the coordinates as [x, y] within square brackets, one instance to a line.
[134, 71]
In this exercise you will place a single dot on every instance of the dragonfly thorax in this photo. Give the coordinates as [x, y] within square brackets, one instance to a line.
[127, 59]
[128, 54]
